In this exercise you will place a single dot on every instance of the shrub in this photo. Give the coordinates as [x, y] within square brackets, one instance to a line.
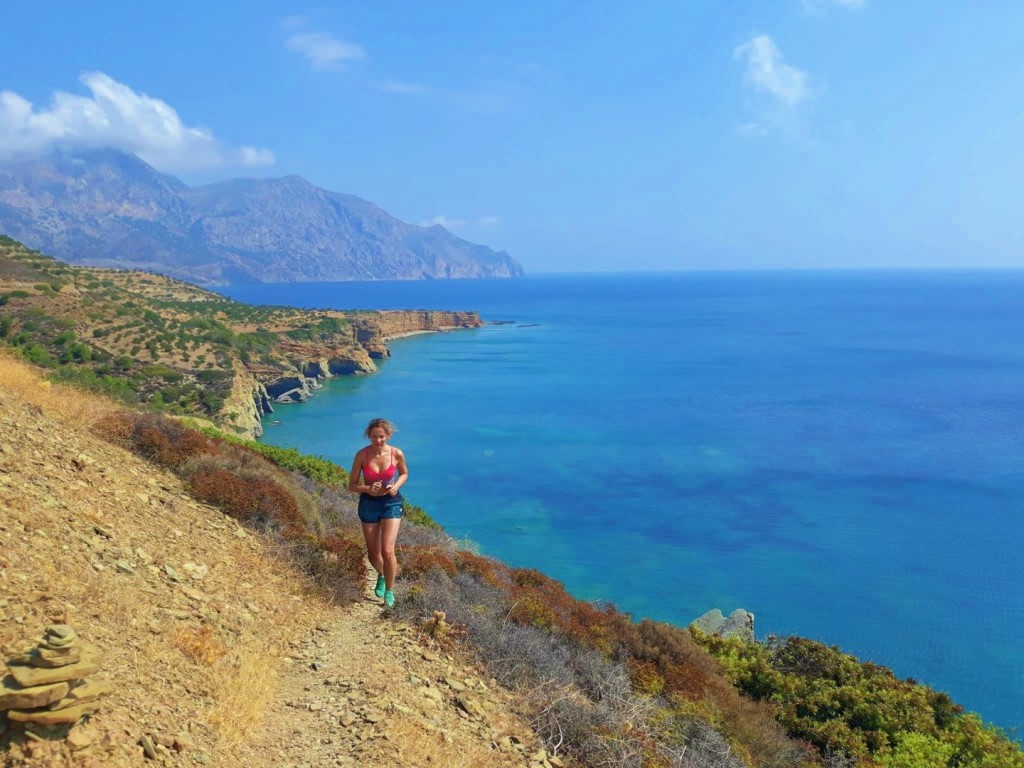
[262, 503]
[848, 707]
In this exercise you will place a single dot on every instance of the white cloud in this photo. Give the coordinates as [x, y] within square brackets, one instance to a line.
[444, 221]
[820, 6]
[324, 51]
[767, 73]
[452, 225]
[116, 116]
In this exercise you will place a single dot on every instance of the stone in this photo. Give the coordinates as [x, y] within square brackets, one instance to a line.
[431, 693]
[182, 742]
[14, 696]
[470, 706]
[59, 657]
[122, 567]
[60, 631]
[66, 716]
[77, 740]
[710, 622]
[739, 624]
[87, 690]
[58, 639]
[147, 747]
[29, 676]
[454, 684]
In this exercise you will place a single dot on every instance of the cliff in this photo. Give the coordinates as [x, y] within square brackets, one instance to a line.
[183, 349]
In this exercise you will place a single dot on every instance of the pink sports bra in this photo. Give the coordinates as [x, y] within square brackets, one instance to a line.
[370, 475]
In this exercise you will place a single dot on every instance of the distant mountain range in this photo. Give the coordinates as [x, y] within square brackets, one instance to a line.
[108, 208]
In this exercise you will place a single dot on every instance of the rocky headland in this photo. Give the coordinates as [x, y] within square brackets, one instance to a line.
[258, 388]
[186, 350]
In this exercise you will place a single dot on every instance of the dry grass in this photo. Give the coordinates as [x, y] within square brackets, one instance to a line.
[420, 747]
[174, 661]
[68, 405]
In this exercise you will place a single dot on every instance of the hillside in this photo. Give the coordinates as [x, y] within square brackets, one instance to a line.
[217, 648]
[108, 208]
[182, 349]
[224, 647]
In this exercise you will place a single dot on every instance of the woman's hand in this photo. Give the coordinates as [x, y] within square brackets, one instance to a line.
[376, 489]
[392, 490]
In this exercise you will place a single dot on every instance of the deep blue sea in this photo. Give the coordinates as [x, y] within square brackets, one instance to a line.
[840, 453]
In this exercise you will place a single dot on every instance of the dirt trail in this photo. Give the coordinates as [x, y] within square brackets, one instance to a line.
[363, 690]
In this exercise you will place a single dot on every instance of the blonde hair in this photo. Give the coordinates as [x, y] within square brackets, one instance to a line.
[384, 424]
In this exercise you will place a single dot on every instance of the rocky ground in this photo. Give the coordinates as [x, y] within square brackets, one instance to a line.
[215, 651]
[363, 690]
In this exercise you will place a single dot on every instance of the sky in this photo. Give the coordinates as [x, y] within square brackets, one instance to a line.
[579, 136]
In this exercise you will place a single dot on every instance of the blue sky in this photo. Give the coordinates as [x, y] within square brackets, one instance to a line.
[713, 134]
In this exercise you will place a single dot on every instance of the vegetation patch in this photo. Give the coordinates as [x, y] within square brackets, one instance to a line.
[148, 339]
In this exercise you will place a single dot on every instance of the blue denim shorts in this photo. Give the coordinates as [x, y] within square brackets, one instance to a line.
[373, 509]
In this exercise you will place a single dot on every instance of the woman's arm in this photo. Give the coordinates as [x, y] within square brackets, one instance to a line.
[403, 472]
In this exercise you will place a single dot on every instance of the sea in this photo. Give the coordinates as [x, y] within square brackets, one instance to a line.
[840, 453]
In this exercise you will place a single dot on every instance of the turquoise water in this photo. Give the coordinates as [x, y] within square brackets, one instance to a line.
[839, 453]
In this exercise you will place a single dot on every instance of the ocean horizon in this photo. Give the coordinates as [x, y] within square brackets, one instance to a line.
[838, 452]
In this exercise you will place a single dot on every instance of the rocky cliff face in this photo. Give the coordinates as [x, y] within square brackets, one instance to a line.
[257, 388]
[108, 208]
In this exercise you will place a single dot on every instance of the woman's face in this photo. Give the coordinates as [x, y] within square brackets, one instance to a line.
[378, 437]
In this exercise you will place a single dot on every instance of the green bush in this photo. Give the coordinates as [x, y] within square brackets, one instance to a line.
[314, 467]
[843, 705]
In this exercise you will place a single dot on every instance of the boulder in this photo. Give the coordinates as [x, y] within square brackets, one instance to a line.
[740, 623]
[710, 622]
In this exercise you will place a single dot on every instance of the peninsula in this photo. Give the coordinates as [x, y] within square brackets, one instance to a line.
[184, 350]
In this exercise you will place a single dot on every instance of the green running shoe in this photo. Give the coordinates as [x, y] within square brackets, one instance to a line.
[389, 599]
[379, 589]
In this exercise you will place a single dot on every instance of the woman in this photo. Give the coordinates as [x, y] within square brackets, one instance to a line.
[378, 471]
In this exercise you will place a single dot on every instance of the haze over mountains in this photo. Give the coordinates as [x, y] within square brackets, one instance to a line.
[108, 208]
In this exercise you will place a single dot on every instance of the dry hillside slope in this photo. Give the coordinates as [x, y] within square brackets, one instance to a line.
[216, 650]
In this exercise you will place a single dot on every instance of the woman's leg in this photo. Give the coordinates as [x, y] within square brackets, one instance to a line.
[388, 537]
[371, 532]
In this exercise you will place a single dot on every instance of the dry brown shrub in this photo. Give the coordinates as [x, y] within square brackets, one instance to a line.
[346, 553]
[416, 561]
[200, 645]
[260, 502]
[488, 570]
[530, 610]
[694, 679]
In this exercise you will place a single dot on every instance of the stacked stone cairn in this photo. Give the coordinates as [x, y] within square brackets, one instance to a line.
[48, 684]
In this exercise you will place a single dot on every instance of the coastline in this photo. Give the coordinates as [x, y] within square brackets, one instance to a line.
[406, 334]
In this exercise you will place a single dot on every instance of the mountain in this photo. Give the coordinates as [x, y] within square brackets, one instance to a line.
[108, 208]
